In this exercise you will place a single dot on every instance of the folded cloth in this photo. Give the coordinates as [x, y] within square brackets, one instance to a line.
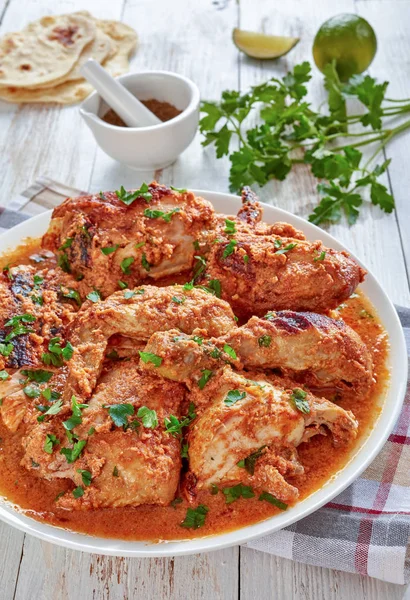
[366, 529]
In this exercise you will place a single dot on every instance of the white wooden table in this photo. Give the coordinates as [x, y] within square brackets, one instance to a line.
[194, 38]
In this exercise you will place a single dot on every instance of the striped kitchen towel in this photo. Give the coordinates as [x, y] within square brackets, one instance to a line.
[364, 530]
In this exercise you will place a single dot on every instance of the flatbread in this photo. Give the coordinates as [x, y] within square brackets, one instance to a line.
[44, 51]
[70, 92]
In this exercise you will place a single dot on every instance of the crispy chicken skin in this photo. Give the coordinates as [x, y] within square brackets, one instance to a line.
[256, 276]
[262, 414]
[150, 309]
[324, 351]
[159, 243]
[21, 290]
[128, 468]
[319, 351]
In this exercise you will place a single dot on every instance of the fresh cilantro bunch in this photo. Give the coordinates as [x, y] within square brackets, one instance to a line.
[289, 131]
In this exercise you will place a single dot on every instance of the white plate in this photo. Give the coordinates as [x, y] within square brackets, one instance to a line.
[364, 454]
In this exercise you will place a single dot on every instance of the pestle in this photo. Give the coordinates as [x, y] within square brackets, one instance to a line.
[127, 106]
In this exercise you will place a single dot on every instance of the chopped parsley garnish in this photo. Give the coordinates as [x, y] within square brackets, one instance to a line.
[113, 355]
[6, 349]
[157, 214]
[4, 375]
[320, 257]
[214, 489]
[178, 300]
[229, 248]
[129, 294]
[264, 341]
[109, 249]
[72, 454]
[50, 442]
[214, 287]
[199, 267]
[237, 491]
[71, 295]
[230, 227]
[174, 426]
[37, 280]
[122, 284]
[184, 451]
[139, 245]
[198, 339]
[179, 190]
[195, 517]
[233, 396]
[216, 353]
[57, 354]
[188, 286]
[148, 417]
[64, 263]
[94, 296]
[299, 399]
[18, 319]
[50, 395]
[269, 498]
[126, 264]
[248, 463]
[196, 245]
[78, 492]
[102, 196]
[66, 244]
[149, 357]
[245, 259]
[115, 472]
[85, 476]
[129, 197]
[175, 502]
[76, 417]
[119, 413]
[53, 410]
[38, 375]
[145, 263]
[230, 351]
[205, 377]
[286, 248]
[31, 391]
[37, 299]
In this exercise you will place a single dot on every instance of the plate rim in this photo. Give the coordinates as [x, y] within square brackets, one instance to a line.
[10, 514]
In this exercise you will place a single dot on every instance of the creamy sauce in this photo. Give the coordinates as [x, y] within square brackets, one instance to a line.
[320, 459]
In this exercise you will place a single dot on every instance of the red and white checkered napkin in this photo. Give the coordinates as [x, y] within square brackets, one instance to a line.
[366, 529]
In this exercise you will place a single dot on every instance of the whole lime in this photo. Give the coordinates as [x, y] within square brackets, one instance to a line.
[348, 40]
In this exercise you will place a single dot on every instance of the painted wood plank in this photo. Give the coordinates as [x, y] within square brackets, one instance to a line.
[11, 544]
[375, 238]
[193, 39]
[39, 139]
[392, 64]
[51, 573]
[264, 577]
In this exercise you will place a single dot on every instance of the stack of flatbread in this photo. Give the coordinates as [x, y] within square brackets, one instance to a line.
[42, 62]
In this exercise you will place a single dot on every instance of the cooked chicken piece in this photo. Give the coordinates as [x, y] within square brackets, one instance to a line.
[318, 350]
[324, 351]
[33, 300]
[107, 239]
[21, 397]
[247, 412]
[140, 465]
[258, 273]
[150, 309]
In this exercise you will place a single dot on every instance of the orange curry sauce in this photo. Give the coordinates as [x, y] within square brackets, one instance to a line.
[320, 459]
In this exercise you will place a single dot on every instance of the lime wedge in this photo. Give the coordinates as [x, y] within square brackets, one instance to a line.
[260, 45]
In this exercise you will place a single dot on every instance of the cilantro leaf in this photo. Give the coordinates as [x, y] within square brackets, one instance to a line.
[149, 357]
[195, 517]
[148, 417]
[298, 397]
[233, 396]
[272, 500]
[119, 413]
[237, 491]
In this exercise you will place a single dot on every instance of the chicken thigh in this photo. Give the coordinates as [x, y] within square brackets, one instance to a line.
[127, 236]
[315, 349]
[127, 457]
[243, 414]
